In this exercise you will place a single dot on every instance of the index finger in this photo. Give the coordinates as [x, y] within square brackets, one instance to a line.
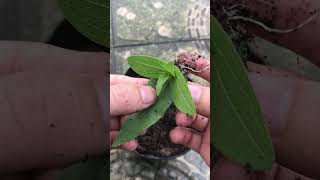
[195, 64]
[203, 68]
[201, 98]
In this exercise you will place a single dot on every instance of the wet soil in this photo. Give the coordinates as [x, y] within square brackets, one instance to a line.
[156, 141]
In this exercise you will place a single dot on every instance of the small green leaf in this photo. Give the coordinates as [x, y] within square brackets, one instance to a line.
[161, 82]
[180, 93]
[140, 121]
[239, 130]
[148, 66]
[91, 18]
[170, 67]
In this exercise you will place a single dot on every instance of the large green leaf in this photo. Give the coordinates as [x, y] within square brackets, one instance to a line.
[239, 130]
[95, 168]
[180, 93]
[90, 17]
[150, 67]
[140, 121]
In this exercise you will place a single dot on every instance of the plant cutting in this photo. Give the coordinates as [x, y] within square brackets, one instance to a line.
[169, 80]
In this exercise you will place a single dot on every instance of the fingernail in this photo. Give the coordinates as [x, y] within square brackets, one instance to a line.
[195, 92]
[131, 145]
[148, 94]
[177, 136]
[173, 136]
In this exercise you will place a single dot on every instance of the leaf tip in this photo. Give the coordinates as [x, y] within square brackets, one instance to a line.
[117, 142]
[158, 92]
[114, 145]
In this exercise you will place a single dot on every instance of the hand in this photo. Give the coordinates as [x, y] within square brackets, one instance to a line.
[127, 95]
[194, 132]
[51, 105]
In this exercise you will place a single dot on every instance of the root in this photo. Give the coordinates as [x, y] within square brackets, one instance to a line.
[273, 30]
[237, 6]
[197, 71]
[188, 61]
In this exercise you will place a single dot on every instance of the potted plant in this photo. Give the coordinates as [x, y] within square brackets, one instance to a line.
[156, 122]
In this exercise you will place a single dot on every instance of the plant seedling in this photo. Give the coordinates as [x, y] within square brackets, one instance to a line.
[171, 87]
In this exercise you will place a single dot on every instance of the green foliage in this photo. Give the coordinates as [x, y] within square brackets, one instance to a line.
[163, 78]
[150, 67]
[181, 95]
[239, 130]
[176, 91]
[91, 18]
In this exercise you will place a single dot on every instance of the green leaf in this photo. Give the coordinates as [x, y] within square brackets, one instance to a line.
[170, 67]
[149, 67]
[95, 168]
[163, 78]
[140, 121]
[180, 93]
[90, 17]
[152, 83]
[239, 130]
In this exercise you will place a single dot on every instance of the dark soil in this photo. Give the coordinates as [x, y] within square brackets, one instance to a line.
[156, 143]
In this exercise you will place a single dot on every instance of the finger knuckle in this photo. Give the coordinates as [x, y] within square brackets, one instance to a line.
[124, 96]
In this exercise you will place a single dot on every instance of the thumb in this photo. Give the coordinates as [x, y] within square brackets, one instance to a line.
[129, 98]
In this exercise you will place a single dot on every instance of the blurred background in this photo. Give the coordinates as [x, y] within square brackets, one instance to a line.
[32, 20]
[160, 28]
